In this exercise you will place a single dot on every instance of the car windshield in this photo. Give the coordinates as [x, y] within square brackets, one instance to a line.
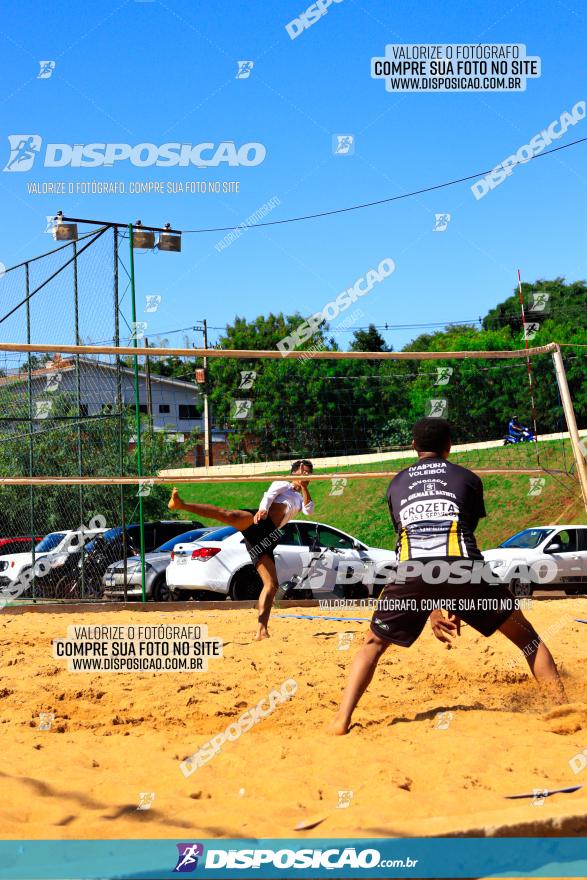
[49, 542]
[529, 539]
[185, 538]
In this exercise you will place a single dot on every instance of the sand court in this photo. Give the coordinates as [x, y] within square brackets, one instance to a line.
[439, 739]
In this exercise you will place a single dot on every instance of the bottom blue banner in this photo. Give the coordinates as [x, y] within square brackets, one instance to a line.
[366, 858]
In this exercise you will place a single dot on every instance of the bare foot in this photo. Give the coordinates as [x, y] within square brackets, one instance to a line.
[175, 501]
[262, 633]
[339, 726]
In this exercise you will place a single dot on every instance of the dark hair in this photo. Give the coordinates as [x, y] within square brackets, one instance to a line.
[300, 463]
[431, 435]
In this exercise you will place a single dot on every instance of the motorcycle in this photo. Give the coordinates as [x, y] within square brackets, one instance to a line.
[299, 584]
[525, 436]
[296, 583]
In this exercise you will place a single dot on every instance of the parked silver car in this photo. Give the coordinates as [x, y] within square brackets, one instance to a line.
[156, 563]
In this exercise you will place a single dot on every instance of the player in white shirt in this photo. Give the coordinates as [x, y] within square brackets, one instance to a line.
[280, 503]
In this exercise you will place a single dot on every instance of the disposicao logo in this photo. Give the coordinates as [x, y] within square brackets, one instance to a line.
[188, 855]
[24, 149]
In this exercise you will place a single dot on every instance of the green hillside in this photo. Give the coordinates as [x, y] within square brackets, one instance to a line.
[362, 509]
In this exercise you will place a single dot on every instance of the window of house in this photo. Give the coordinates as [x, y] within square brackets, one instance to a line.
[188, 411]
[164, 408]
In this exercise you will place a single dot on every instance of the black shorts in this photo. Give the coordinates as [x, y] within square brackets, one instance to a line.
[262, 538]
[404, 608]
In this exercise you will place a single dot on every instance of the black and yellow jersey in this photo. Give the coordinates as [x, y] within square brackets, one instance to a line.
[435, 506]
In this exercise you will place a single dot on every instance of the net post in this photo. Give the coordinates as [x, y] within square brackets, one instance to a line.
[569, 412]
[207, 435]
[137, 410]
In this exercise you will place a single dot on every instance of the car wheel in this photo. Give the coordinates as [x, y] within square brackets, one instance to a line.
[575, 591]
[355, 591]
[161, 592]
[519, 589]
[246, 585]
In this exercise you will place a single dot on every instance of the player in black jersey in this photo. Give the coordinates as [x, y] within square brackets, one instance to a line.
[435, 506]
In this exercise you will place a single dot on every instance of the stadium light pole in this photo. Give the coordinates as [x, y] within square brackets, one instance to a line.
[133, 307]
[169, 240]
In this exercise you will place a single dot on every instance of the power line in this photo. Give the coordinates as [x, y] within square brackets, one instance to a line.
[407, 195]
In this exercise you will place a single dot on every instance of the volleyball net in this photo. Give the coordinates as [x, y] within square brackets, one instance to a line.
[97, 435]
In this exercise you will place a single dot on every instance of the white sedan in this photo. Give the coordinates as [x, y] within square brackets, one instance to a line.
[317, 559]
[56, 549]
[555, 557]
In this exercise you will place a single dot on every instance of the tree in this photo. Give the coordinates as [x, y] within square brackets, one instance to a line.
[369, 340]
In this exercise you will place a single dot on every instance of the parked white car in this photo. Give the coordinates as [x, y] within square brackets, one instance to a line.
[318, 557]
[55, 549]
[558, 551]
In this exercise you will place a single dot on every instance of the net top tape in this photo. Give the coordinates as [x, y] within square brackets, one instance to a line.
[180, 479]
[252, 354]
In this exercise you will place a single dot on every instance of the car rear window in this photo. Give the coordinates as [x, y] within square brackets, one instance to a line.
[220, 534]
[184, 538]
[108, 536]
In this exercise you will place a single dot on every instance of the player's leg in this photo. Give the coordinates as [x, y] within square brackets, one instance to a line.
[239, 519]
[521, 632]
[361, 672]
[267, 571]
[388, 626]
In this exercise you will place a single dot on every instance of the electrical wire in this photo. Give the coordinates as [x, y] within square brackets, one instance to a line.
[359, 207]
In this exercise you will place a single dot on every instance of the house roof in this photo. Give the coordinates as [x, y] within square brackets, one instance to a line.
[63, 365]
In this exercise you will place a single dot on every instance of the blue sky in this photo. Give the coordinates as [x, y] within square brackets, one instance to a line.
[156, 72]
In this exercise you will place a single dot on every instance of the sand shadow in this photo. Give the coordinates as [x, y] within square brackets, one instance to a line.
[430, 714]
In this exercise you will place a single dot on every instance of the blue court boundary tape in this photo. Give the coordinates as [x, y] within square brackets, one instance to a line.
[324, 617]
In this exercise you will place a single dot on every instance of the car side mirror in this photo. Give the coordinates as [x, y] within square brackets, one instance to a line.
[554, 548]
[357, 546]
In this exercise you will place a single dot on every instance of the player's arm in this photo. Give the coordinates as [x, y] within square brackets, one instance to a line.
[307, 503]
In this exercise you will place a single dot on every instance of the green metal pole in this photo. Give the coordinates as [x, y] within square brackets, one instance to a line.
[80, 460]
[137, 410]
[31, 429]
[119, 411]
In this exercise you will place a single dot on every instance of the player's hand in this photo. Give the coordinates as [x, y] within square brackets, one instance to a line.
[445, 629]
[454, 619]
[261, 514]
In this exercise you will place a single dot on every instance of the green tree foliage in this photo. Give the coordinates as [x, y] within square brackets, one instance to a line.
[313, 407]
[369, 340]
